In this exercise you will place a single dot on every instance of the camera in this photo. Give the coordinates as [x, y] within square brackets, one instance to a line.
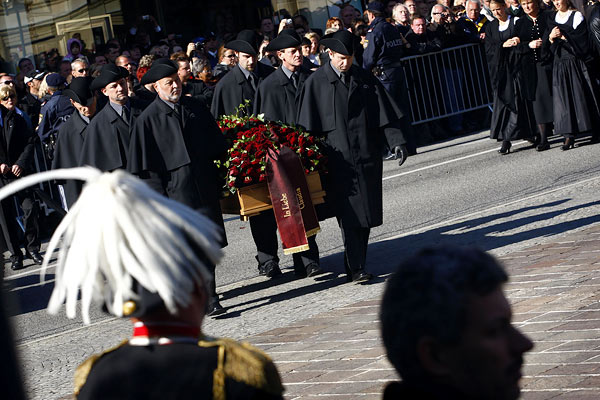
[199, 46]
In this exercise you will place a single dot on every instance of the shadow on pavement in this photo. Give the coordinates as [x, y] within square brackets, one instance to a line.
[26, 294]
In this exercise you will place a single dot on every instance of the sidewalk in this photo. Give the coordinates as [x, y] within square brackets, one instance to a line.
[554, 289]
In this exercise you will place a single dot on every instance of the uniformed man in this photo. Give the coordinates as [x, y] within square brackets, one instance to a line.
[234, 90]
[277, 99]
[71, 134]
[54, 112]
[382, 57]
[106, 143]
[351, 109]
[239, 86]
[173, 147]
[158, 278]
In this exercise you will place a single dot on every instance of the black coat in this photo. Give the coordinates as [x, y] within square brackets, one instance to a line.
[68, 151]
[233, 89]
[144, 96]
[277, 98]
[199, 91]
[179, 371]
[106, 143]
[352, 121]
[16, 144]
[175, 156]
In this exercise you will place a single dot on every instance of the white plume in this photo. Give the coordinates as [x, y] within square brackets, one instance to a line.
[121, 230]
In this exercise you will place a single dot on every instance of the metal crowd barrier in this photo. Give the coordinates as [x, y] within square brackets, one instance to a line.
[447, 82]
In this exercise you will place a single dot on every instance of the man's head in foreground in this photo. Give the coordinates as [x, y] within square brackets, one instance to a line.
[446, 326]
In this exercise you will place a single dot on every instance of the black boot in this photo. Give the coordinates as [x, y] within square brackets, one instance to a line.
[543, 145]
[505, 149]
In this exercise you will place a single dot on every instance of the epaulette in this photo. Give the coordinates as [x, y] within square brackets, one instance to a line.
[83, 370]
[243, 363]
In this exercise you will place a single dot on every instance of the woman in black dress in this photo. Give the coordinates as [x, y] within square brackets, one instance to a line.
[512, 117]
[575, 102]
[531, 29]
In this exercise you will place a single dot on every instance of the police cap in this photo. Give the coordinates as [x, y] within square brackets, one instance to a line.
[55, 80]
[376, 6]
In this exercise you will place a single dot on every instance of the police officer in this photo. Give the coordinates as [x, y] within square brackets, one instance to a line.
[382, 57]
[277, 99]
[54, 113]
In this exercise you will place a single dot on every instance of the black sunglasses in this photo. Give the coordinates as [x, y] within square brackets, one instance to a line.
[10, 96]
[11, 82]
[81, 71]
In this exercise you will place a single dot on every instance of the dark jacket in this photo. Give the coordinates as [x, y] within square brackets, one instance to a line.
[32, 106]
[199, 91]
[428, 42]
[234, 89]
[277, 98]
[56, 111]
[175, 155]
[106, 143]
[16, 144]
[385, 46]
[352, 121]
[68, 151]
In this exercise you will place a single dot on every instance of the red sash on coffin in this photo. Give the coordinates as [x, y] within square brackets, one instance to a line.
[292, 205]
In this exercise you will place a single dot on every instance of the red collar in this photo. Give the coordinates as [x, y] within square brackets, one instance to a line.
[165, 329]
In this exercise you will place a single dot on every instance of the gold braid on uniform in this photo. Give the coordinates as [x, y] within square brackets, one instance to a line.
[83, 370]
[243, 363]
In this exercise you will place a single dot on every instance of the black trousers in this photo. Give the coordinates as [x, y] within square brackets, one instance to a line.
[356, 241]
[30, 223]
[264, 233]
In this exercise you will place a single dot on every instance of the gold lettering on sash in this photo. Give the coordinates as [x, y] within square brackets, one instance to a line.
[285, 205]
[300, 198]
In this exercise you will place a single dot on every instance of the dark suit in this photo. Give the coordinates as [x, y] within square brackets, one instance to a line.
[277, 99]
[353, 120]
[199, 91]
[68, 151]
[233, 89]
[106, 143]
[16, 148]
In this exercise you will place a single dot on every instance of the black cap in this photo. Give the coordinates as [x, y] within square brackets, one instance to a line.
[108, 74]
[245, 42]
[287, 38]
[160, 68]
[55, 80]
[341, 42]
[376, 6]
[79, 90]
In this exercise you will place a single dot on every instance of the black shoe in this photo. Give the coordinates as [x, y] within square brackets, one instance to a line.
[543, 146]
[361, 276]
[272, 269]
[505, 149]
[35, 256]
[400, 154]
[389, 156]
[16, 263]
[215, 308]
[314, 269]
[569, 144]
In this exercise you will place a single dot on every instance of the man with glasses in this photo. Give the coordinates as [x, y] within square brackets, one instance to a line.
[79, 68]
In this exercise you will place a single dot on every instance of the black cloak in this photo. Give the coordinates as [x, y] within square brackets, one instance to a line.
[277, 98]
[176, 155]
[107, 138]
[233, 89]
[68, 151]
[352, 120]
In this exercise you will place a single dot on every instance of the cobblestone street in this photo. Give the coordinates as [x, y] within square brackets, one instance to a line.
[554, 289]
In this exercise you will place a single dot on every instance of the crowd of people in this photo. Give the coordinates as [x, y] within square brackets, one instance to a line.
[89, 107]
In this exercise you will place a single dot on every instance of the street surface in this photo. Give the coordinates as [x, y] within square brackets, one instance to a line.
[459, 191]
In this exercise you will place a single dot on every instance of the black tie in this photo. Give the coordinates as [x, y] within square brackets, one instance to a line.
[344, 78]
[252, 81]
[125, 115]
[295, 79]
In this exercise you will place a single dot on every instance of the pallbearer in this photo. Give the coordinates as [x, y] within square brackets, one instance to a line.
[351, 109]
[277, 99]
[173, 147]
